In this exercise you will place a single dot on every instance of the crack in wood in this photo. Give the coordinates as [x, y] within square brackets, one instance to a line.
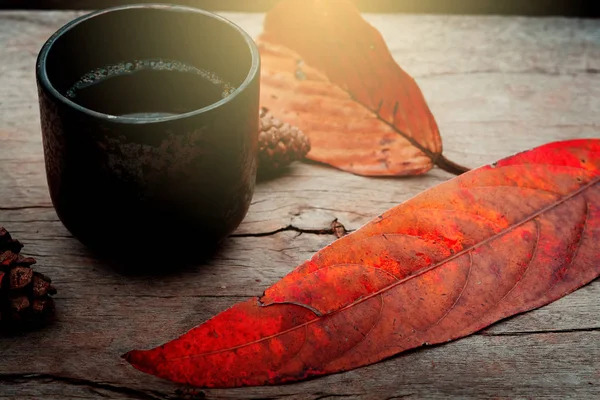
[16, 208]
[291, 228]
[49, 378]
[538, 332]
[239, 297]
[331, 396]
[131, 393]
[402, 396]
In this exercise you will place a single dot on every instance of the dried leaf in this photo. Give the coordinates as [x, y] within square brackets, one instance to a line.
[500, 240]
[329, 72]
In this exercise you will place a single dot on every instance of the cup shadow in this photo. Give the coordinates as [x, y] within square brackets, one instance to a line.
[267, 175]
[154, 261]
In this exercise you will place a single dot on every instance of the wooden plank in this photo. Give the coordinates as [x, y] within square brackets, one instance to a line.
[496, 86]
[245, 266]
[103, 312]
[540, 366]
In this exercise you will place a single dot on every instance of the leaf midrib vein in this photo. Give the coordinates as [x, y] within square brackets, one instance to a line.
[401, 281]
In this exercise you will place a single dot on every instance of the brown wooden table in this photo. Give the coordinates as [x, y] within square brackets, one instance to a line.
[497, 85]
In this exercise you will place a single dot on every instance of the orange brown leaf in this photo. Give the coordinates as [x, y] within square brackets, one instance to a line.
[329, 72]
[496, 241]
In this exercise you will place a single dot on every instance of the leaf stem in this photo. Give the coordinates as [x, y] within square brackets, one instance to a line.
[450, 166]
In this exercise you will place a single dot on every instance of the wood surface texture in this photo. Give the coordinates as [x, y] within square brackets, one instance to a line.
[496, 85]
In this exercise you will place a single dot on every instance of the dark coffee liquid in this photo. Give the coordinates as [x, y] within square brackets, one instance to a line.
[148, 89]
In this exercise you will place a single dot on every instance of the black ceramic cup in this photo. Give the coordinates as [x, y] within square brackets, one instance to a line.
[153, 166]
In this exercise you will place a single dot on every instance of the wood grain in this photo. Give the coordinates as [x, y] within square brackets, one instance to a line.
[496, 85]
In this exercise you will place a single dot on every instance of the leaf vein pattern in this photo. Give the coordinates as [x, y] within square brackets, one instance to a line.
[520, 279]
[418, 273]
[433, 156]
[578, 244]
[365, 335]
[515, 186]
[353, 265]
[295, 356]
[459, 295]
[541, 164]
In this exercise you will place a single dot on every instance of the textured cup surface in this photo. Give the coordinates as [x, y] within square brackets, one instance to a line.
[123, 181]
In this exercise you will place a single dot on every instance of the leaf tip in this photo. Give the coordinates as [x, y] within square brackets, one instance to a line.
[133, 357]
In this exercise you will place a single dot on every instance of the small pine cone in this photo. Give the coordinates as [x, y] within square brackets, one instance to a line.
[8, 243]
[24, 293]
[279, 143]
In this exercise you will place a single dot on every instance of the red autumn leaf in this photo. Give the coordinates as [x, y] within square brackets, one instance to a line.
[329, 72]
[500, 240]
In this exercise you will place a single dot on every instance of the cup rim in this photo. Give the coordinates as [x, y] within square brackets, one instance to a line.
[44, 80]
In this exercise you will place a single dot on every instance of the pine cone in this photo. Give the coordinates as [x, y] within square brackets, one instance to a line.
[279, 143]
[24, 294]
